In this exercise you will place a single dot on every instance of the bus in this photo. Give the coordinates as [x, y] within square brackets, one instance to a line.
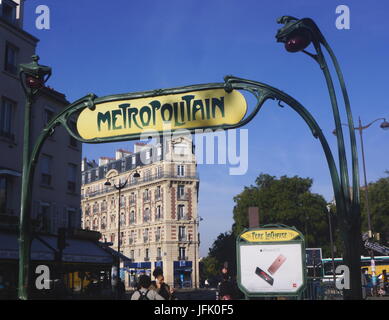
[381, 263]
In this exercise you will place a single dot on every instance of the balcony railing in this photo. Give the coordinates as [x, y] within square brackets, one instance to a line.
[141, 180]
[182, 258]
[182, 237]
[145, 239]
[182, 217]
[159, 258]
[157, 238]
[146, 258]
[184, 196]
[130, 240]
[146, 218]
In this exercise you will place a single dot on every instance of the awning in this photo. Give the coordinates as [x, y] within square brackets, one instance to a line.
[10, 172]
[77, 250]
[114, 252]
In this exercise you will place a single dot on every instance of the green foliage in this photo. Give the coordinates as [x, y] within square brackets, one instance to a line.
[224, 250]
[378, 193]
[209, 268]
[287, 200]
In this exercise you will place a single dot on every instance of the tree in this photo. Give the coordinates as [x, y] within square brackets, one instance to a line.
[378, 193]
[289, 201]
[224, 250]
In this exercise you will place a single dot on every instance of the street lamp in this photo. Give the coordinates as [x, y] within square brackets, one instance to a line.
[297, 35]
[119, 187]
[331, 243]
[197, 220]
[384, 125]
[33, 77]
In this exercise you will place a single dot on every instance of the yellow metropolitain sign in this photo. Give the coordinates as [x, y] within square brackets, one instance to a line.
[196, 109]
[270, 235]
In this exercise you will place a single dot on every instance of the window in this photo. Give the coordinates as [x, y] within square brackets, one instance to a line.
[104, 223]
[158, 213]
[46, 164]
[148, 154]
[73, 142]
[122, 201]
[147, 175]
[122, 219]
[181, 234]
[132, 198]
[10, 64]
[159, 171]
[146, 235]
[146, 216]
[181, 212]
[159, 254]
[158, 234]
[182, 252]
[131, 239]
[8, 11]
[44, 217]
[158, 193]
[133, 161]
[48, 114]
[72, 176]
[3, 194]
[132, 217]
[6, 113]
[180, 170]
[147, 253]
[146, 195]
[132, 254]
[180, 148]
[180, 191]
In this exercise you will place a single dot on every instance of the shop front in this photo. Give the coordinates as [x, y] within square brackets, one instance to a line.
[182, 274]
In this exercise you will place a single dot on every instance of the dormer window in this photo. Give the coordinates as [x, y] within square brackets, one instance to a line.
[8, 10]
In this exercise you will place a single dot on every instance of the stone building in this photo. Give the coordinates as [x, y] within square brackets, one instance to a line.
[158, 209]
[56, 188]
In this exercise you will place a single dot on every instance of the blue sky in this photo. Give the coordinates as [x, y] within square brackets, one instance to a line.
[119, 46]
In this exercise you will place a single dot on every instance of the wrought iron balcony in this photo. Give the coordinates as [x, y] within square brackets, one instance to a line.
[146, 258]
[183, 196]
[138, 181]
[182, 258]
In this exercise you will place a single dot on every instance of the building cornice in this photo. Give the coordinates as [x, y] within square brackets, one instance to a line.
[18, 31]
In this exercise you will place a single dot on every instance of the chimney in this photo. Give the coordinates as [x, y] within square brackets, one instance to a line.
[19, 12]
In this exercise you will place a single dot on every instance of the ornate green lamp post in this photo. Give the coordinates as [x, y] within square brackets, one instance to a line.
[297, 35]
[121, 185]
[33, 77]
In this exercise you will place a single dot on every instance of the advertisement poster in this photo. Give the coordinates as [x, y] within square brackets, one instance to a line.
[271, 268]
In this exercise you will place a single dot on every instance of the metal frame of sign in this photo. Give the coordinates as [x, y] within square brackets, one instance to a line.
[299, 240]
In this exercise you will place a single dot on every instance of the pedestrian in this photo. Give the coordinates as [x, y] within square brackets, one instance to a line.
[162, 288]
[226, 289]
[145, 292]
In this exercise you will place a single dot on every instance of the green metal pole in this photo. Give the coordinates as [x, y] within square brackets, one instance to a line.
[352, 230]
[25, 225]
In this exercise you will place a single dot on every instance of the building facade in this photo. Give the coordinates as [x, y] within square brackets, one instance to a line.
[56, 187]
[158, 209]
